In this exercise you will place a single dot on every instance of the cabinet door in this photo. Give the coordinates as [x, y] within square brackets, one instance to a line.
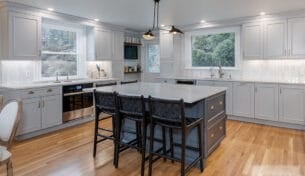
[243, 99]
[103, 44]
[30, 117]
[205, 83]
[296, 37]
[253, 41]
[266, 102]
[51, 112]
[24, 37]
[275, 39]
[292, 104]
[229, 95]
[118, 46]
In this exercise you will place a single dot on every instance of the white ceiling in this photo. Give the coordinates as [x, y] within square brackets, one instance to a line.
[137, 14]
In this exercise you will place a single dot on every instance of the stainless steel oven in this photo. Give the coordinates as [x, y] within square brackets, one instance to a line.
[77, 103]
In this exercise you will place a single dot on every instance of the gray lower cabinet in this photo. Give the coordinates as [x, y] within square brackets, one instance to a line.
[243, 99]
[51, 114]
[292, 104]
[266, 102]
[214, 122]
[229, 92]
[30, 119]
[40, 113]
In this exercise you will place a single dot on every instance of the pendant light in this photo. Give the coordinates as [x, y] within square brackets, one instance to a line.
[149, 35]
[175, 30]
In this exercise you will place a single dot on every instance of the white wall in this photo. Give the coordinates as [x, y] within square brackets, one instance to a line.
[275, 70]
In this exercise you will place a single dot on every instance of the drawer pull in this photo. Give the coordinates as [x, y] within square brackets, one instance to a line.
[220, 102]
[212, 107]
[212, 135]
[50, 90]
[30, 92]
[220, 128]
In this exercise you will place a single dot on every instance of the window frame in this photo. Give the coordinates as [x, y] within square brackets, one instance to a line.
[81, 38]
[146, 54]
[188, 46]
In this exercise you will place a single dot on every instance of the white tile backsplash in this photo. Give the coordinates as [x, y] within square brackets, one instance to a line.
[26, 71]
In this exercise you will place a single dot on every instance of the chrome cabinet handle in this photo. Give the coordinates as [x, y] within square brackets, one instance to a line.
[50, 90]
[31, 92]
[39, 105]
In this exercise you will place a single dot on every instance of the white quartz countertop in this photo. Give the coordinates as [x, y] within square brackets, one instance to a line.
[291, 81]
[50, 83]
[189, 93]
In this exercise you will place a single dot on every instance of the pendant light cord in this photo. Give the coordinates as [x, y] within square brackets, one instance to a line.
[154, 16]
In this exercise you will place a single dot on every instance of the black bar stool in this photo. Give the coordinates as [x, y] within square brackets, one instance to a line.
[129, 82]
[170, 114]
[105, 108]
[131, 108]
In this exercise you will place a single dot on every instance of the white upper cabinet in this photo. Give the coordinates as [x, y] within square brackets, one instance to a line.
[292, 104]
[24, 37]
[103, 44]
[243, 99]
[266, 101]
[252, 41]
[99, 44]
[296, 37]
[275, 39]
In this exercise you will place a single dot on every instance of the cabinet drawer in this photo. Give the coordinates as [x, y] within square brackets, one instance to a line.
[215, 105]
[215, 134]
[30, 93]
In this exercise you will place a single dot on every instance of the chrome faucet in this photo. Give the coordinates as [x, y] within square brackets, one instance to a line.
[220, 72]
[57, 80]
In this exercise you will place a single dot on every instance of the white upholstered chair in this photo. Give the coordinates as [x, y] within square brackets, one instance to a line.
[9, 119]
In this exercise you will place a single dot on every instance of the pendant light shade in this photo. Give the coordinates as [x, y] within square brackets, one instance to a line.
[148, 35]
[175, 30]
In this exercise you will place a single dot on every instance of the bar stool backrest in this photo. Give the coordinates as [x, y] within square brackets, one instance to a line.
[169, 112]
[131, 106]
[106, 101]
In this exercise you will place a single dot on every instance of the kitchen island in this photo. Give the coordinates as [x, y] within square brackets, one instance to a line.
[200, 102]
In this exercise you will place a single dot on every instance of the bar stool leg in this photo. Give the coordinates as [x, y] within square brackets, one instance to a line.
[151, 148]
[183, 147]
[95, 130]
[117, 143]
[144, 136]
[171, 144]
[200, 147]
[164, 142]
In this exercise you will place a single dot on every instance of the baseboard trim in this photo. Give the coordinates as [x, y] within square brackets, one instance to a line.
[266, 122]
[56, 128]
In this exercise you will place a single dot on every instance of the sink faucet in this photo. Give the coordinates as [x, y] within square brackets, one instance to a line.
[220, 72]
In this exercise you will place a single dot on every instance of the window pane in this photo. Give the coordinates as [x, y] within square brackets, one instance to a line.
[54, 40]
[153, 58]
[63, 64]
[213, 50]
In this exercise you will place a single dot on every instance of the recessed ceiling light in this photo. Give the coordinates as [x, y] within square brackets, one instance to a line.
[202, 21]
[96, 19]
[50, 9]
[162, 25]
[262, 13]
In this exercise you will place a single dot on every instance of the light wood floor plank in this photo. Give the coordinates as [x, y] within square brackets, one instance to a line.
[247, 150]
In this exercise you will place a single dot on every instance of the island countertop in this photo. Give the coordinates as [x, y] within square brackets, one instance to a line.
[189, 93]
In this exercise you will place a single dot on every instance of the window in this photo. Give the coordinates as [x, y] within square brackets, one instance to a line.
[213, 47]
[62, 52]
[153, 58]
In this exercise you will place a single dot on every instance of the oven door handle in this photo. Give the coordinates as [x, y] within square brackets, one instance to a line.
[73, 93]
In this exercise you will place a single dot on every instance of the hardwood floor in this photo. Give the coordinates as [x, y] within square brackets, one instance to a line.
[248, 149]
